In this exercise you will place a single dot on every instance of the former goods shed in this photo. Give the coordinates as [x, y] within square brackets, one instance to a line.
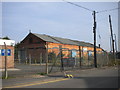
[36, 47]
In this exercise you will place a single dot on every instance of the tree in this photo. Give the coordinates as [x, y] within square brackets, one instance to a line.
[6, 38]
[17, 45]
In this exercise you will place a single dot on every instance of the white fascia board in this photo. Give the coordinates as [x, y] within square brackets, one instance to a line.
[7, 42]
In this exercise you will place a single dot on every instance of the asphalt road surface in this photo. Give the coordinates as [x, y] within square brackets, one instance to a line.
[93, 78]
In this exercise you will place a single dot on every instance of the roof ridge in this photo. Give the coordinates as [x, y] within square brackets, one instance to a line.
[54, 39]
[62, 40]
[58, 37]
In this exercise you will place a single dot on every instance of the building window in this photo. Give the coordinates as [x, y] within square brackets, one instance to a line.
[30, 40]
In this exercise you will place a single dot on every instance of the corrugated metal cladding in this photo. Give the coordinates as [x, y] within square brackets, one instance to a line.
[48, 38]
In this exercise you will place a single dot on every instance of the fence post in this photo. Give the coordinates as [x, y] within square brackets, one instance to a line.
[29, 58]
[88, 59]
[80, 56]
[35, 61]
[19, 57]
[60, 48]
[6, 73]
[46, 58]
[26, 62]
[40, 58]
[26, 55]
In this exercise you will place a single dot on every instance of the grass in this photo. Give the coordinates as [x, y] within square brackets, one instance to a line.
[114, 62]
[9, 77]
[42, 73]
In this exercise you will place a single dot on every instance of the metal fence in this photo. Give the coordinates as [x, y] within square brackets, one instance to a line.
[59, 59]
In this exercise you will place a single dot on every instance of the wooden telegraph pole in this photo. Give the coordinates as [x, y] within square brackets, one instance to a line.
[112, 37]
[94, 31]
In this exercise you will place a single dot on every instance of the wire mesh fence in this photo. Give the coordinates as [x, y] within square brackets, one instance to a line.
[38, 60]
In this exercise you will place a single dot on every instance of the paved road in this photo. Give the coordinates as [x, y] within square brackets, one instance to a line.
[91, 78]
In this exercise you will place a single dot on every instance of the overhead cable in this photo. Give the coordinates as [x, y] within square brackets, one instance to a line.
[79, 6]
[107, 10]
[90, 9]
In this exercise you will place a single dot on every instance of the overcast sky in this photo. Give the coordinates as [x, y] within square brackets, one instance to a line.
[59, 19]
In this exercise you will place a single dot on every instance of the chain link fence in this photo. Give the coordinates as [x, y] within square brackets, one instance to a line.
[38, 60]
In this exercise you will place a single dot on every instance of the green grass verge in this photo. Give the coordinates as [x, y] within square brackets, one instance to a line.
[42, 73]
[9, 77]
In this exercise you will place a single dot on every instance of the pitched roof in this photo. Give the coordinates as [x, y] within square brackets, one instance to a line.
[48, 38]
[45, 37]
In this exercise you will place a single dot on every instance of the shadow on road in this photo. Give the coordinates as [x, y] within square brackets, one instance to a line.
[96, 82]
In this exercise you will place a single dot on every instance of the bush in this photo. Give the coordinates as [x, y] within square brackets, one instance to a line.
[42, 73]
[114, 62]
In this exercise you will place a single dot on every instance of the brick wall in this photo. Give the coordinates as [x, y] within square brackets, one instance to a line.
[10, 59]
[70, 47]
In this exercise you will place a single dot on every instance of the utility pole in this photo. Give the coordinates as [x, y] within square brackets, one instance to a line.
[94, 31]
[6, 73]
[112, 37]
[80, 55]
[110, 45]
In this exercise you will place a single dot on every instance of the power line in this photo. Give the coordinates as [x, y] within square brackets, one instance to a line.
[94, 12]
[90, 9]
[79, 6]
[108, 10]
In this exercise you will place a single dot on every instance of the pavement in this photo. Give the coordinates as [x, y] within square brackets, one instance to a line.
[10, 69]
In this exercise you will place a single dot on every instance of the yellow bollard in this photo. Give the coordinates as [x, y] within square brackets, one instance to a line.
[69, 76]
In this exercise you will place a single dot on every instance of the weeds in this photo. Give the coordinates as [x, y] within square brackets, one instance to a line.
[9, 77]
[42, 73]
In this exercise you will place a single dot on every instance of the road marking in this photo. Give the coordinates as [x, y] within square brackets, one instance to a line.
[25, 85]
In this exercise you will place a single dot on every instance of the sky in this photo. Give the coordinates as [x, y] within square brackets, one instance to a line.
[59, 19]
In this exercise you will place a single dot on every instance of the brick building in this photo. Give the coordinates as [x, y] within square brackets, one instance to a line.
[36, 46]
[10, 53]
